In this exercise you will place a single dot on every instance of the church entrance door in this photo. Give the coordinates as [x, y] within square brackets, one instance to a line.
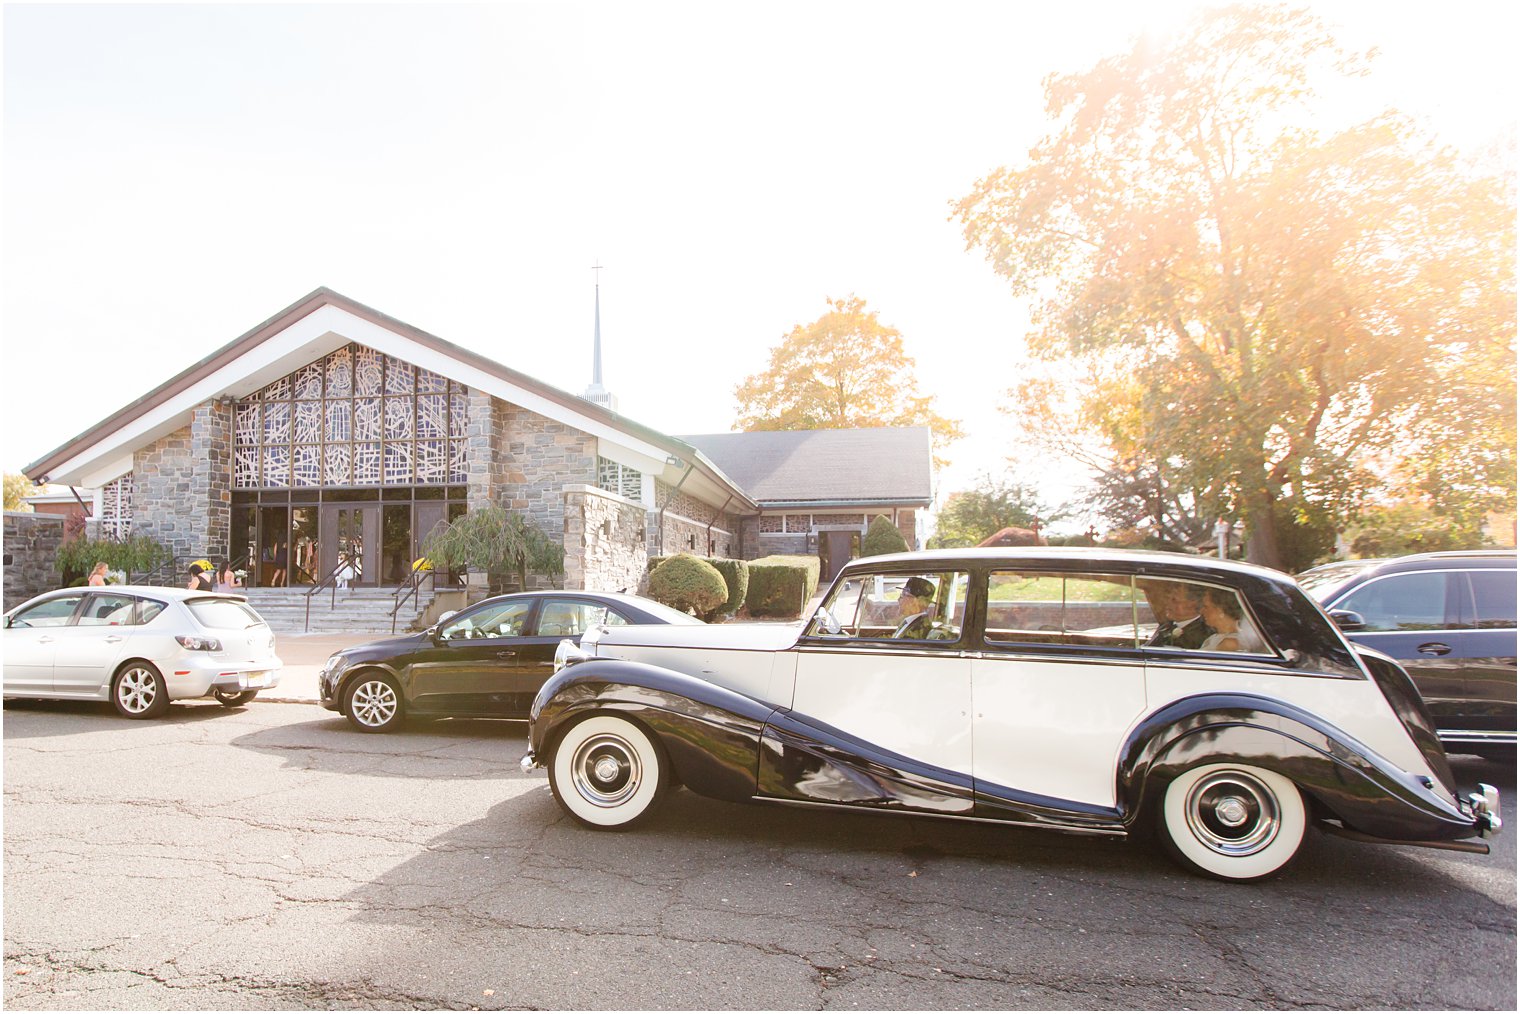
[352, 530]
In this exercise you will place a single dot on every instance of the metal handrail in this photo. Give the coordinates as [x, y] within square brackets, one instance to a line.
[343, 561]
[412, 588]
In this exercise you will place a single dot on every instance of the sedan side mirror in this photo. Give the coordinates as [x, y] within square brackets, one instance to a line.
[1347, 620]
[825, 619]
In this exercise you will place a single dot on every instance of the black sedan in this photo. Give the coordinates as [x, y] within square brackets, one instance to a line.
[487, 661]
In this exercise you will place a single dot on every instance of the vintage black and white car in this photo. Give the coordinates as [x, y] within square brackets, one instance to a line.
[1077, 690]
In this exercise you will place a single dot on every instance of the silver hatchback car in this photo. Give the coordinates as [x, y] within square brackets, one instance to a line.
[139, 647]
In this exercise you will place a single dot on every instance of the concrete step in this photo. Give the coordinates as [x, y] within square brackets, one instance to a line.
[356, 610]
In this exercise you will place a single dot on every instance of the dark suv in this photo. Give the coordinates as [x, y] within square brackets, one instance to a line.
[1449, 618]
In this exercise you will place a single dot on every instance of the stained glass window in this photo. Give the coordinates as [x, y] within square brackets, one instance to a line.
[616, 478]
[354, 418]
[116, 508]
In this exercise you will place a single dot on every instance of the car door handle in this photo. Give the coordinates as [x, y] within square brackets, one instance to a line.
[506, 654]
[44, 639]
[113, 639]
[1434, 648]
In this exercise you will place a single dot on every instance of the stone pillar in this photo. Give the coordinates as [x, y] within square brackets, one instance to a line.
[211, 482]
[485, 450]
[604, 540]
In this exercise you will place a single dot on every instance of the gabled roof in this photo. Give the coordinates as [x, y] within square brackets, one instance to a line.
[883, 466]
[313, 326]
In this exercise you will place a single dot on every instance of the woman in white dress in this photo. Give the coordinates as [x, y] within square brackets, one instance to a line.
[1232, 631]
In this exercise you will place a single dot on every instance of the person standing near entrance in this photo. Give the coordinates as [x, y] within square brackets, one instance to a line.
[281, 561]
[226, 577]
[98, 575]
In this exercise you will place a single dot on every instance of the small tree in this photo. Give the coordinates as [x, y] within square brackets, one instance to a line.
[883, 537]
[497, 543]
[136, 555]
[972, 515]
[688, 583]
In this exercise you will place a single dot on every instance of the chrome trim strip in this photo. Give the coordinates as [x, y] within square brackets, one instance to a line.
[1280, 669]
[950, 651]
[1475, 736]
[1101, 832]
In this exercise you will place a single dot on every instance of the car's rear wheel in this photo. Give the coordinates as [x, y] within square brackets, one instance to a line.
[1233, 821]
[373, 703]
[234, 698]
[138, 691]
[608, 773]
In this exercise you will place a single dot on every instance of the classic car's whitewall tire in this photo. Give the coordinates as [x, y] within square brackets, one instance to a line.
[608, 773]
[1233, 821]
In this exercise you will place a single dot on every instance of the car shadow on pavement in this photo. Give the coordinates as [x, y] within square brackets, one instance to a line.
[69, 717]
[528, 865]
[442, 749]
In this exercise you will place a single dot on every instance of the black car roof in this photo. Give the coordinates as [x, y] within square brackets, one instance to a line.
[1496, 559]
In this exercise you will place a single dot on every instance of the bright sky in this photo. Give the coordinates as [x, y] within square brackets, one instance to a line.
[174, 175]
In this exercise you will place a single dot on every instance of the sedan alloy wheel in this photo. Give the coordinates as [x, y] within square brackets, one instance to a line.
[374, 703]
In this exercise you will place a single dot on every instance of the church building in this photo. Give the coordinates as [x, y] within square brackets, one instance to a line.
[332, 428]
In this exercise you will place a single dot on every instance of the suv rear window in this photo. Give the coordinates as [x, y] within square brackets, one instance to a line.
[223, 614]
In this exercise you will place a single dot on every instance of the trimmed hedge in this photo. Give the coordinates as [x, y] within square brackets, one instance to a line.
[781, 585]
[735, 576]
[688, 582]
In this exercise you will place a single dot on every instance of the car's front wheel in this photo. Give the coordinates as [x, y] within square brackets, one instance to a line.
[373, 703]
[138, 691]
[1233, 821]
[234, 698]
[608, 773]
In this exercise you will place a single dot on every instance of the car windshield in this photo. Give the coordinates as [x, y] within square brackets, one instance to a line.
[1322, 581]
[223, 614]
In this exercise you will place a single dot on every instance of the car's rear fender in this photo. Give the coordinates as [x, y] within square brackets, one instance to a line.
[711, 734]
[1348, 780]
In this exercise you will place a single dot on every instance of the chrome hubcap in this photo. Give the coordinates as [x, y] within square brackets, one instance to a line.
[137, 690]
[374, 703]
[1232, 813]
[606, 770]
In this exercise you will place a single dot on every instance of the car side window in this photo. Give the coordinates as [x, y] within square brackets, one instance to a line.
[926, 606]
[572, 617]
[148, 610]
[52, 613]
[1036, 607]
[501, 619]
[108, 611]
[1493, 600]
[1400, 602]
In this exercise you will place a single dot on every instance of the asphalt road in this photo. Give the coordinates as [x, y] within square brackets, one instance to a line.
[271, 858]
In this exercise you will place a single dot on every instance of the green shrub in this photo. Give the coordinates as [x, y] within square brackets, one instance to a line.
[781, 585]
[688, 583]
[883, 537]
[735, 576]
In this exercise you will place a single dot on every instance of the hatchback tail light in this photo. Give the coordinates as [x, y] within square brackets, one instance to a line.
[199, 643]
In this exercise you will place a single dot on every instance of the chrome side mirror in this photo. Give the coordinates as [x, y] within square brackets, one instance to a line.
[825, 619]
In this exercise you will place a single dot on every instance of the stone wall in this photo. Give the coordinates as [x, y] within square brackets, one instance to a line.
[605, 548]
[683, 528]
[211, 484]
[182, 485]
[31, 540]
[542, 458]
[486, 435]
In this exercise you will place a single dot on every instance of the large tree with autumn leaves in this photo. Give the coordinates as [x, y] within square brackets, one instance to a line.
[1278, 319]
[845, 370]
